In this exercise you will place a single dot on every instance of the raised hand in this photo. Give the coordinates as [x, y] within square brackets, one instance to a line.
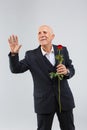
[13, 43]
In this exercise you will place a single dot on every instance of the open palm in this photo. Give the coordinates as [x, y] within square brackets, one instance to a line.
[14, 45]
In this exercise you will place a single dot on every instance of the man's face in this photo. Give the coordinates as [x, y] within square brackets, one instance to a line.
[45, 35]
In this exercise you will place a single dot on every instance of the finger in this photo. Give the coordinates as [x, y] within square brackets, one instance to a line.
[61, 71]
[16, 39]
[10, 40]
[60, 67]
[13, 37]
[19, 47]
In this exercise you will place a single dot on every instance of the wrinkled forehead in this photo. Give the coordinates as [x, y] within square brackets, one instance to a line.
[45, 28]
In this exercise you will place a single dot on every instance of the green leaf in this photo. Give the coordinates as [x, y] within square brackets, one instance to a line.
[60, 76]
[59, 58]
[53, 74]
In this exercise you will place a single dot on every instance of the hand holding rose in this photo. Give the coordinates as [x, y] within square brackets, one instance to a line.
[61, 69]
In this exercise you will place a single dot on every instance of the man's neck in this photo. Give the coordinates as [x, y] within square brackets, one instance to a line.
[47, 48]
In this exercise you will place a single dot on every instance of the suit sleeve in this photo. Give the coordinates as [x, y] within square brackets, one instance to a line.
[68, 64]
[17, 66]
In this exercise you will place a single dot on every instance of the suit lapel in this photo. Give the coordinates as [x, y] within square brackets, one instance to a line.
[43, 61]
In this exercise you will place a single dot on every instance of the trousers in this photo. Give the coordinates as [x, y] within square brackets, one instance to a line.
[66, 120]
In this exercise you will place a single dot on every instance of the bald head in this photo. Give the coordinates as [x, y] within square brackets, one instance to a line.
[46, 27]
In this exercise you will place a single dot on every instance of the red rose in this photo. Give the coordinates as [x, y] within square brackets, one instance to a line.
[60, 58]
[59, 47]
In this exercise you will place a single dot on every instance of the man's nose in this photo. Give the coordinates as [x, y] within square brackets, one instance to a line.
[42, 34]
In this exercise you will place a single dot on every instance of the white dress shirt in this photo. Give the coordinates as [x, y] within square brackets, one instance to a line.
[50, 56]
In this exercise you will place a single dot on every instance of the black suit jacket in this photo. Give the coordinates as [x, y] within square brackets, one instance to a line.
[45, 88]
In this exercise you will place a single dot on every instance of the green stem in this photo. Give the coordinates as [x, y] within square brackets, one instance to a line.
[59, 95]
[59, 52]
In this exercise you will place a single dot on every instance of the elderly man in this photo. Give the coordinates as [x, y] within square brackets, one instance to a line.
[41, 62]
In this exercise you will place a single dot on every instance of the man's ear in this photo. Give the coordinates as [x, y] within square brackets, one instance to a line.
[53, 35]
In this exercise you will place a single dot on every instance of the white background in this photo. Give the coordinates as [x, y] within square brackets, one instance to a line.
[68, 18]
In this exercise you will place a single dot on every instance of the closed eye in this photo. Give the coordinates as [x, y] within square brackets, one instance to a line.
[44, 32]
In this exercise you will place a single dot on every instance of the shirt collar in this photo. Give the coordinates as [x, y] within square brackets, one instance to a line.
[45, 53]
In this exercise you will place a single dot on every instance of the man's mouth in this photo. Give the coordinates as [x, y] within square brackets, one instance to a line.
[43, 39]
